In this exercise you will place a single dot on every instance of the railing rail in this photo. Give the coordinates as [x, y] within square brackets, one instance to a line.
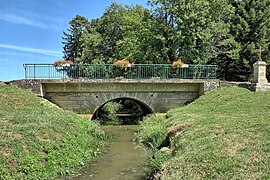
[109, 71]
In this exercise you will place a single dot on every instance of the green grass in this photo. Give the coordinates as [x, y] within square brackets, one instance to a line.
[41, 141]
[223, 135]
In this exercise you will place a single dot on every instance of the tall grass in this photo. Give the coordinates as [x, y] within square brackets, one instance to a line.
[41, 141]
[222, 135]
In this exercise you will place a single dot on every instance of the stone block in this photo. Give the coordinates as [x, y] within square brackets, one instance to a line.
[261, 87]
[60, 98]
[77, 98]
[260, 72]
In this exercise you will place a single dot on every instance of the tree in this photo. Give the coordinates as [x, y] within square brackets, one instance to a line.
[165, 33]
[250, 27]
[228, 33]
[121, 33]
[137, 41]
[71, 40]
[189, 28]
[111, 30]
[91, 41]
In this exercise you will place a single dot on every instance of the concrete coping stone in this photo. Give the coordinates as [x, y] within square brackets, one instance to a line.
[154, 80]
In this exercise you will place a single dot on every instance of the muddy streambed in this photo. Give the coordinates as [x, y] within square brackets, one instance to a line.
[121, 158]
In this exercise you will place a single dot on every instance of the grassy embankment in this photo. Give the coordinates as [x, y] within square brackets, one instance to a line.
[39, 140]
[222, 135]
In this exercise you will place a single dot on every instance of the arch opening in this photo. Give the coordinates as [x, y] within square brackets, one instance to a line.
[121, 111]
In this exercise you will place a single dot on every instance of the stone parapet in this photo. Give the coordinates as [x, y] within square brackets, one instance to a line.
[34, 85]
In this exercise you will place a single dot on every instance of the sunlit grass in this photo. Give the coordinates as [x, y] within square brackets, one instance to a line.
[40, 140]
[223, 135]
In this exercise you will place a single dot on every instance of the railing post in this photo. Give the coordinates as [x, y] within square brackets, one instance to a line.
[34, 71]
[49, 72]
[25, 75]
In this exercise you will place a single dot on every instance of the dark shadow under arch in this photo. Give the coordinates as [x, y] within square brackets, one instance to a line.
[144, 107]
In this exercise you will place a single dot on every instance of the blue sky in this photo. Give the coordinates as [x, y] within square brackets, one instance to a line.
[31, 30]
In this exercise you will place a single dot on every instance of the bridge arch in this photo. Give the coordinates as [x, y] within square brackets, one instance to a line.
[144, 106]
[86, 97]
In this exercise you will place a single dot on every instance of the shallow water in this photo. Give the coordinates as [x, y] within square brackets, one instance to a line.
[121, 159]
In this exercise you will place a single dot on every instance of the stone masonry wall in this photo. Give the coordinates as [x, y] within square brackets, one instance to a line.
[88, 103]
[88, 97]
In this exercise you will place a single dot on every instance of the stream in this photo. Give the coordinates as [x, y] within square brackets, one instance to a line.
[121, 158]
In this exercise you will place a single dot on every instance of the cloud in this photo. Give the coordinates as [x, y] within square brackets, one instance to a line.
[13, 18]
[31, 19]
[9, 62]
[20, 54]
[32, 50]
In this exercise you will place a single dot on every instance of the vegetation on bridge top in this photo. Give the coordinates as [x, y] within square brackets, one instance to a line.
[222, 135]
[39, 140]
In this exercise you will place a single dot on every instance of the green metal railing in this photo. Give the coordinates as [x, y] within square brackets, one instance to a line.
[109, 71]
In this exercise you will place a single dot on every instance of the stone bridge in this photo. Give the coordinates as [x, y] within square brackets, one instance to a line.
[87, 96]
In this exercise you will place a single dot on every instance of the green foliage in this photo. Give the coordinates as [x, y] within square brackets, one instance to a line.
[250, 29]
[224, 135]
[108, 113]
[226, 33]
[187, 27]
[153, 131]
[111, 107]
[40, 140]
[156, 161]
[152, 134]
[121, 111]
[72, 40]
